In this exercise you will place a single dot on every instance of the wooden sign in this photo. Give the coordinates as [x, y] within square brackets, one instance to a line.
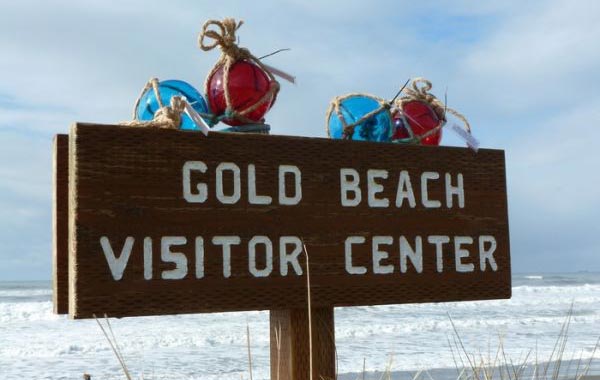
[165, 222]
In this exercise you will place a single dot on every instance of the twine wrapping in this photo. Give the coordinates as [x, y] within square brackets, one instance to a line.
[165, 117]
[223, 36]
[348, 129]
[420, 92]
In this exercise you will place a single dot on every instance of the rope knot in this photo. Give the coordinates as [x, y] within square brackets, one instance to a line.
[170, 116]
[167, 116]
[229, 113]
[223, 36]
[420, 91]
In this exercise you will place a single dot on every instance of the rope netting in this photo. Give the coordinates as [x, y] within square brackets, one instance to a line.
[348, 128]
[223, 35]
[419, 91]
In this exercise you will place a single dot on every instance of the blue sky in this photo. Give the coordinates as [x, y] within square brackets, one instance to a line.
[526, 74]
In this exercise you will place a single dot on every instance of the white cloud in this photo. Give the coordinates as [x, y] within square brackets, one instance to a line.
[543, 57]
[555, 166]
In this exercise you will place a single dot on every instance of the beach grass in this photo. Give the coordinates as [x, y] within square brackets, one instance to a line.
[496, 365]
[493, 364]
[470, 365]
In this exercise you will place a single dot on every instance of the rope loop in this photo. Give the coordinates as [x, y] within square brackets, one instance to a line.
[224, 37]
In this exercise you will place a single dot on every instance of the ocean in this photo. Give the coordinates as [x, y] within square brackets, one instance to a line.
[35, 344]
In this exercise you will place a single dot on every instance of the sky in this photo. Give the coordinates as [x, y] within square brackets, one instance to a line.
[526, 75]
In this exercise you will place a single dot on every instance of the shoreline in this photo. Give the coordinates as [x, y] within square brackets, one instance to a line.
[568, 370]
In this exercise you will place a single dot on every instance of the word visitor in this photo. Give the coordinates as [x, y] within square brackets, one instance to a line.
[388, 255]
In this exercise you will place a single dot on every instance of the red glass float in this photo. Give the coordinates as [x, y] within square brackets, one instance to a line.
[421, 119]
[247, 85]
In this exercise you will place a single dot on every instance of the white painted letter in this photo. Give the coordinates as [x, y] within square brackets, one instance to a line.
[252, 256]
[283, 198]
[253, 198]
[457, 190]
[348, 248]
[226, 242]
[439, 241]
[460, 253]
[405, 190]
[381, 255]
[202, 193]
[148, 258]
[167, 256]
[374, 188]
[199, 257]
[415, 255]
[428, 203]
[347, 186]
[487, 254]
[117, 265]
[286, 259]
[235, 170]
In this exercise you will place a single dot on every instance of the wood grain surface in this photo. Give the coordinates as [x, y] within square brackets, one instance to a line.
[127, 183]
[290, 349]
[60, 224]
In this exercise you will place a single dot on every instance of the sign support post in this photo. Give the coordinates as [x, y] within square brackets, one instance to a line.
[290, 351]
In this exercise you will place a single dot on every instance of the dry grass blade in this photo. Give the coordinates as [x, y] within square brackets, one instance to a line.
[114, 338]
[458, 369]
[557, 345]
[249, 350]
[579, 365]
[563, 343]
[278, 343]
[364, 371]
[462, 366]
[113, 346]
[589, 364]
[523, 366]
[428, 375]
[388, 369]
[310, 340]
[507, 369]
[471, 364]
[418, 374]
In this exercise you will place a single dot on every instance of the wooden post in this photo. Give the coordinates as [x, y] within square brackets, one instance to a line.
[60, 224]
[290, 353]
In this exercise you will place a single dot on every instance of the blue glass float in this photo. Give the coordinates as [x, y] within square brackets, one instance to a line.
[376, 128]
[167, 89]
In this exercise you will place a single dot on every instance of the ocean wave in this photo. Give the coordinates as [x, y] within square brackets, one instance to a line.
[26, 312]
[211, 346]
[24, 293]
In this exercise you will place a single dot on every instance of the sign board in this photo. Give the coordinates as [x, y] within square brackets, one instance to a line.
[165, 222]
